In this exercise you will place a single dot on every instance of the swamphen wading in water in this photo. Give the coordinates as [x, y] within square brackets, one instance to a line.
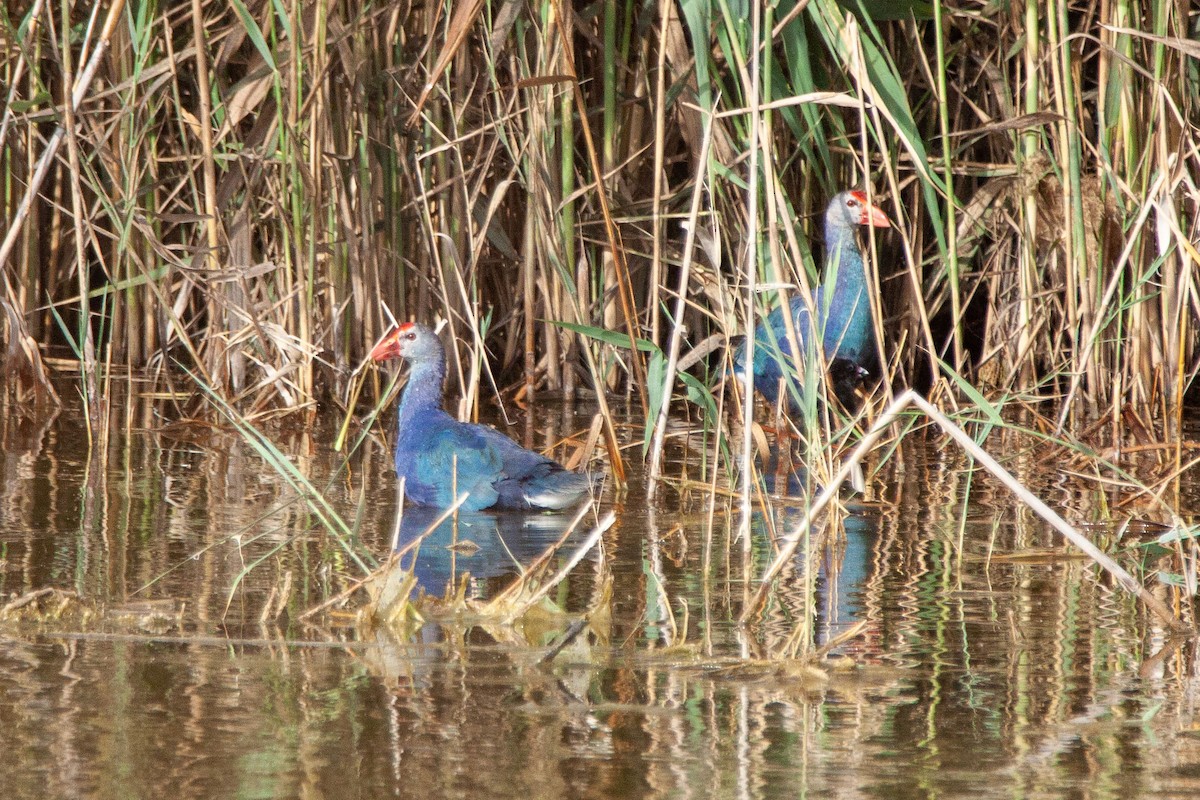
[436, 454]
[843, 311]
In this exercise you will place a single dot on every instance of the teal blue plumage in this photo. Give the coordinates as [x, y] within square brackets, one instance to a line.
[438, 456]
[844, 323]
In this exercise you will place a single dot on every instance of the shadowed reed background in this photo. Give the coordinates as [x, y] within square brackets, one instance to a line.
[238, 189]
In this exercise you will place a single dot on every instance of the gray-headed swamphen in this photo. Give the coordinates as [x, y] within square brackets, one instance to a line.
[436, 454]
[843, 310]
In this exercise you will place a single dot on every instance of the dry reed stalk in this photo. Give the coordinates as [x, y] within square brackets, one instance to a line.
[243, 215]
[653, 472]
[889, 417]
[19, 340]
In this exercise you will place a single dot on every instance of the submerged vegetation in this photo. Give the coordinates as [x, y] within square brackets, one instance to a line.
[237, 197]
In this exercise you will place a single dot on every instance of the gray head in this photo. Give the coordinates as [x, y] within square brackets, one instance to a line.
[851, 209]
[410, 341]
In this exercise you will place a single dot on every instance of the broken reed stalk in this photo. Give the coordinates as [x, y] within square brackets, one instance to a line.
[513, 591]
[885, 421]
[584, 548]
[394, 557]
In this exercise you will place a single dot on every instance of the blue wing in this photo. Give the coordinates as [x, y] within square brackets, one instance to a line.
[440, 456]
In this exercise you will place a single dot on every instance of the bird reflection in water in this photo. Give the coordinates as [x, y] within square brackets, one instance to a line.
[493, 547]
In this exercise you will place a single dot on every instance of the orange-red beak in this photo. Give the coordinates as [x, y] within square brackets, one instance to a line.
[389, 345]
[871, 215]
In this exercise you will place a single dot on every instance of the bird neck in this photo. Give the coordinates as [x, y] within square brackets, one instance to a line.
[842, 254]
[847, 322]
[424, 389]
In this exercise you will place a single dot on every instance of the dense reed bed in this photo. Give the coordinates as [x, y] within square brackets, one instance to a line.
[245, 190]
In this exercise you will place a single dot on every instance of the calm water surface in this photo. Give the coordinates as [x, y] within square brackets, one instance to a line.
[974, 675]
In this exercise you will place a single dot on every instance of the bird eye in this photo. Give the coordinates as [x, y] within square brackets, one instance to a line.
[410, 336]
[852, 202]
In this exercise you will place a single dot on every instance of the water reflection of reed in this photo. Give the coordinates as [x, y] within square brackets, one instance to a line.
[169, 511]
[491, 548]
[1020, 657]
[975, 671]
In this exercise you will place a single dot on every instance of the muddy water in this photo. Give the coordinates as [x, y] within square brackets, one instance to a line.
[972, 673]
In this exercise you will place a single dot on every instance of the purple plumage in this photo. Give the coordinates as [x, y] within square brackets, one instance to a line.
[436, 454]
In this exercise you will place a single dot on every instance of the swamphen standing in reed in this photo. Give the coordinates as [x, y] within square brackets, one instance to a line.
[843, 311]
[436, 454]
